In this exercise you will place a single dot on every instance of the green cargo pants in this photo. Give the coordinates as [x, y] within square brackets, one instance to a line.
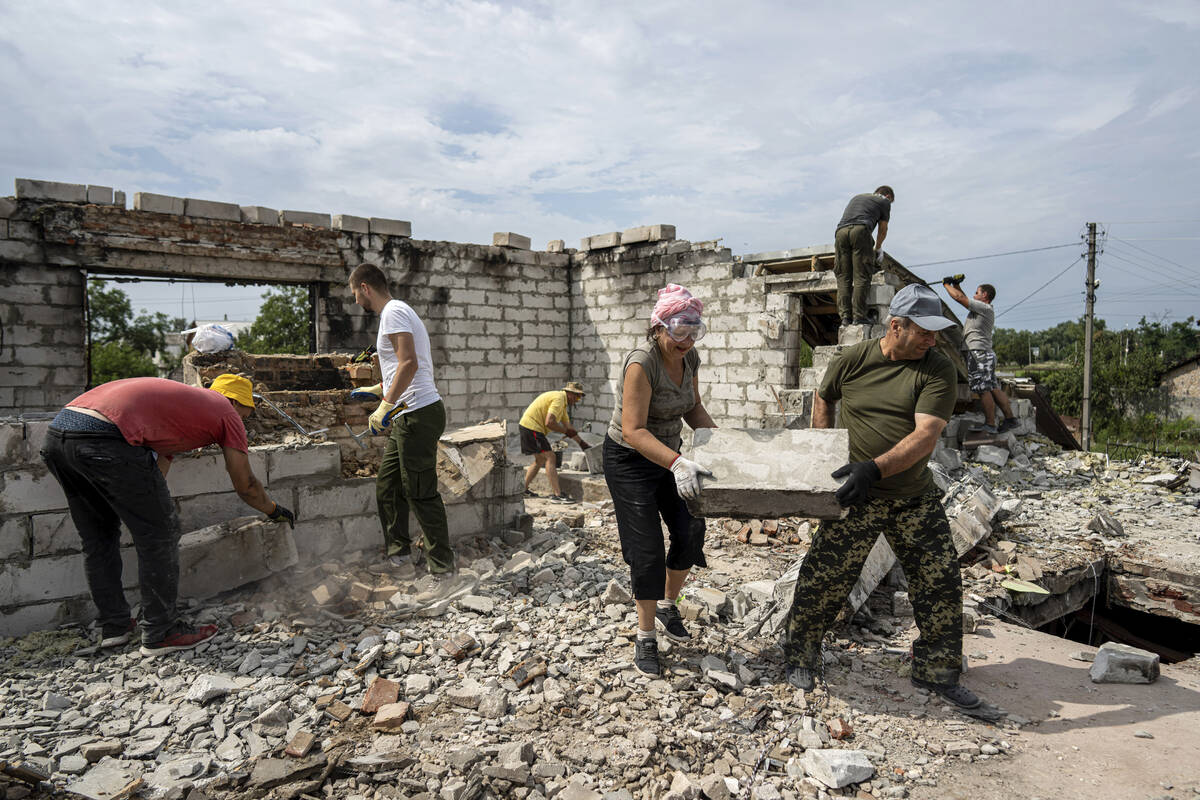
[853, 265]
[408, 480]
[919, 534]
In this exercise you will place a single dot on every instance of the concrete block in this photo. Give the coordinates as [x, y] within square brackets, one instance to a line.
[1120, 663]
[322, 460]
[508, 239]
[8, 207]
[204, 510]
[55, 578]
[316, 539]
[838, 768]
[100, 195]
[769, 474]
[351, 224]
[556, 246]
[119, 198]
[390, 227]
[12, 444]
[603, 240]
[226, 556]
[14, 538]
[346, 499]
[55, 534]
[210, 209]
[987, 454]
[260, 215]
[27, 189]
[647, 233]
[316, 220]
[854, 334]
[157, 203]
[363, 532]
[30, 490]
[880, 295]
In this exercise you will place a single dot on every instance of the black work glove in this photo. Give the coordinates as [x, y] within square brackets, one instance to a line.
[859, 475]
[281, 514]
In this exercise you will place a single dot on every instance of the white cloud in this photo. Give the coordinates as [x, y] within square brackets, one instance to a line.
[1000, 127]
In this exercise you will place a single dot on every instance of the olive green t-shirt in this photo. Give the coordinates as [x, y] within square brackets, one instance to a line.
[669, 401]
[879, 398]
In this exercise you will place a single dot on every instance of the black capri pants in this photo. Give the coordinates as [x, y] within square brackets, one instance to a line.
[642, 492]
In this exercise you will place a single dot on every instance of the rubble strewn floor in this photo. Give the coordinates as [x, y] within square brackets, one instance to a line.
[521, 685]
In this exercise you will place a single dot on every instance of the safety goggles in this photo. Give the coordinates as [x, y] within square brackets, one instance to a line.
[680, 328]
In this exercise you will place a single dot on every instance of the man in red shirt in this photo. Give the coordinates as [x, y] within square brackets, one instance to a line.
[110, 448]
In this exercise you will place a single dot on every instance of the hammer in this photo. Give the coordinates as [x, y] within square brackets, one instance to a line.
[953, 280]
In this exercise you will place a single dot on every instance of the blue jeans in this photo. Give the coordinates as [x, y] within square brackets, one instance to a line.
[108, 481]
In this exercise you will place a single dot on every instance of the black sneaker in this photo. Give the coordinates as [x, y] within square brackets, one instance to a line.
[1007, 425]
[862, 321]
[956, 693]
[116, 635]
[181, 637]
[562, 498]
[801, 677]
[531, 493]
[645, 656]
[671, 623]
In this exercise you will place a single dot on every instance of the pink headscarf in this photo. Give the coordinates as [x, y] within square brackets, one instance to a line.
[673, 299]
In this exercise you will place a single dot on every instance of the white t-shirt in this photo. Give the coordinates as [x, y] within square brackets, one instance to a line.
[398, 317]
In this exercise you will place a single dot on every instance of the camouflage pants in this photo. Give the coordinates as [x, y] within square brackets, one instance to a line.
[919, 534]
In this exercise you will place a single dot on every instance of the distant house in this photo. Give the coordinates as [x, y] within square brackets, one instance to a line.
[1180, 386]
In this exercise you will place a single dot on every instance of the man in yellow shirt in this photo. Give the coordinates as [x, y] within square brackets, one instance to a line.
[548, 413]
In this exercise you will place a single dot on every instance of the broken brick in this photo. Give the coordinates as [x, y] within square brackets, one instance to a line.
[361, 592]
[460, 645]
[525, 672]
[391, 716]
[338, 711]
[840, 729]
[300, 744]
[382, 692]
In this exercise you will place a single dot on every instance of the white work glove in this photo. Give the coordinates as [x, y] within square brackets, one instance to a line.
[687, 476]
[878, 256]
[381, 417]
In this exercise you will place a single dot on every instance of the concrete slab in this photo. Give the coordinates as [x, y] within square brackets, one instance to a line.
[50, 190]
[232, 554]
[765, 474]
[101, 195]
[390, 227]
[351, 223]
[211, 209]
[313, 218]
[157, 203]
[260, 215]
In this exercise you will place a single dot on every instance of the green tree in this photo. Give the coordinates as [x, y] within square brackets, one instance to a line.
[282, 324]
[122, 344]
[115, 360]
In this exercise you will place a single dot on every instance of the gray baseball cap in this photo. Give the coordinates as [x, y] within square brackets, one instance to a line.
[920, 304]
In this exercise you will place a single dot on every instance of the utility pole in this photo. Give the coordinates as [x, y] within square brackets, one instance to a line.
[1085, 421]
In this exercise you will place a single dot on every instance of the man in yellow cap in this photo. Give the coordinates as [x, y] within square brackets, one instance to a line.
[110, 448]
[548, 412]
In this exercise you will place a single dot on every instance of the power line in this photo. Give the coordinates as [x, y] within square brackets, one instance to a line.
[993, 255]
[1044, 285]
[1188, 270]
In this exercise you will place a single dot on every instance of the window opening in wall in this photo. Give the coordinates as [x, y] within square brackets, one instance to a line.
[136, 324]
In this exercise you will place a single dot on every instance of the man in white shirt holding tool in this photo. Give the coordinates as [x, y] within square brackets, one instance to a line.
[411, 412]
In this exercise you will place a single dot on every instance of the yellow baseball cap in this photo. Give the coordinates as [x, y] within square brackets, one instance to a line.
[235, 387]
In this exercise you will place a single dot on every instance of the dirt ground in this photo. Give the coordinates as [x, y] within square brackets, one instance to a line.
[1082, 742]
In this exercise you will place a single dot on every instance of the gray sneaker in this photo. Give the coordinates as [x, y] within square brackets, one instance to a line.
[392, 565]
[441, 586]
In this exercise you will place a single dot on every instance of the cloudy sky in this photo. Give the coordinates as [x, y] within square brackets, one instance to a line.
[1002, 128]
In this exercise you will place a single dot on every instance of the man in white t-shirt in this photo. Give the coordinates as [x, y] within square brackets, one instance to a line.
[411, 412]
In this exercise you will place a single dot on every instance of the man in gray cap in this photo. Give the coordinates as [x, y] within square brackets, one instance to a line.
[897, 394]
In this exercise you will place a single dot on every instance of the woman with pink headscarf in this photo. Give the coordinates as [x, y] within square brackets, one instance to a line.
[648, 478]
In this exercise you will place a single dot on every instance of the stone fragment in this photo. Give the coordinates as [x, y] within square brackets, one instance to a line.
[301, 744]
[513, 752]
[417, 684]
[460, 645]
[1106, 524]
[391, 717]
[207, 688]
[516, 773]
[55, 702]
[615, 592]
[271, 772]
[961, 747]
[381, 692]
[108, 780]
[901, 604]
[466, 694]
[462, 759]
[714, 787]
[493, 704]
[273, 721]
[477, 603]
[514, 240]
[682, 788]
[328, 591]
[372, 763]
[988, 454]
[361, 592]
[838, 768]
[556, 246]
[768, 473]
[840, 728]
[714, 601]
[1120, 663]
[390, 227]
[576, 791]
[94, 751]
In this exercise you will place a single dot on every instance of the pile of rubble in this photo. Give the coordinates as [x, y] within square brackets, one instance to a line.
[333, 682]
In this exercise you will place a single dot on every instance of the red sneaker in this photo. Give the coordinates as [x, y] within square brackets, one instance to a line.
[181, 637]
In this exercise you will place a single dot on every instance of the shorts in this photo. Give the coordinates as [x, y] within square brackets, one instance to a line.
[533, 442]
[981, 371]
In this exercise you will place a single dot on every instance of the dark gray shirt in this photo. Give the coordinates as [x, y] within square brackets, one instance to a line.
[866, 209]
[669, 401]
[977, 330]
